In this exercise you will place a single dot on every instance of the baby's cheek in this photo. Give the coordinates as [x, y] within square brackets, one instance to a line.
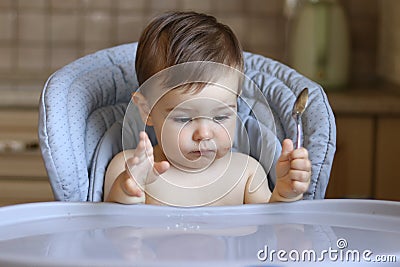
[182, 138]
[223, 150]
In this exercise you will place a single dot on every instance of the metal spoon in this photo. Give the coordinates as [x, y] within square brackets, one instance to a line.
[298, 108]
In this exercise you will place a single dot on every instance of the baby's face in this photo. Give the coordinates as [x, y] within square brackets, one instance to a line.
[195, 129]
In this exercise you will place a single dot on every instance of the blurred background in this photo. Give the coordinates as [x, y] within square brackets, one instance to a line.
[37, 37]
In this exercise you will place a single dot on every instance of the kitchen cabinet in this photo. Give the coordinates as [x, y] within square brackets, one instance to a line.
[352, 172]
[368, 128]
[23, 177]
[388, 160]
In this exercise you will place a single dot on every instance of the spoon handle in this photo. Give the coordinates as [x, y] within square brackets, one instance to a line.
[299, 132]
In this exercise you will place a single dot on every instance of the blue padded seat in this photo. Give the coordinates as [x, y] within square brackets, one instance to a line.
[82, 108]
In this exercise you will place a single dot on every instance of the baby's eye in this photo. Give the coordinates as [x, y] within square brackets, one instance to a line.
[220, 118]
[182, 119]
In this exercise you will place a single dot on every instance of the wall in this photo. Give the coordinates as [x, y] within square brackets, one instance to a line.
[39, 36]
[389, 41]
[364, 30]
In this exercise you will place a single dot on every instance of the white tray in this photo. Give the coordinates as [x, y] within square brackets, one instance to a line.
[106, 234]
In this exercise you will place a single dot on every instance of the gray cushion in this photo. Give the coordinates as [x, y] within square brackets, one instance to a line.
[82, 107]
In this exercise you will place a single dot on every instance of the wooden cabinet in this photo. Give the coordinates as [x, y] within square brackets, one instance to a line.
[367, 161]
[22, 174]
[388, 159]
[352, 170]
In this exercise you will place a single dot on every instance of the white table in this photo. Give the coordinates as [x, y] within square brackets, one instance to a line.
[106, 234]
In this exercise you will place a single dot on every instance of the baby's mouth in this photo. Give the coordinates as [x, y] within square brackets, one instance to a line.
[204, 152]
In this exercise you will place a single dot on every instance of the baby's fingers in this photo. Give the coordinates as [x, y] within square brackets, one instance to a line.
[130, 162]
[161, 167]
[137, 169]
[300, 153]
[130, 187]
[299, 187]
[301, 165]
[158, 169]
[300, 176]
[300, 181]
[140, 151]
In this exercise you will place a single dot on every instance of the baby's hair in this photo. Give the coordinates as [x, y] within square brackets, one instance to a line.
[179, 37]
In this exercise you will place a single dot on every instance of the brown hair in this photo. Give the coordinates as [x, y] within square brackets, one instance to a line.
[178, 37]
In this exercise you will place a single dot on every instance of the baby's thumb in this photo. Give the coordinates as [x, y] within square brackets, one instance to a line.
[287, 148]
[158, 168]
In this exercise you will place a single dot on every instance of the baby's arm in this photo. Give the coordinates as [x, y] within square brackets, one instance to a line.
[124, 181]
[293, 171]
[118, 185]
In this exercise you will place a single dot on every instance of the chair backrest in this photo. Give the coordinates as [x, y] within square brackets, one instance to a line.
[82, 108]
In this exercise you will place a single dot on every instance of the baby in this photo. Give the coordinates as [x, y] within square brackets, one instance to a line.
[194, 122]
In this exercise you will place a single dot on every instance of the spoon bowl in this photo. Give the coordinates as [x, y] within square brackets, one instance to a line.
[299, 107]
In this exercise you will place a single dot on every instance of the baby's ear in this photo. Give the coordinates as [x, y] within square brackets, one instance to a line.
[143, 107]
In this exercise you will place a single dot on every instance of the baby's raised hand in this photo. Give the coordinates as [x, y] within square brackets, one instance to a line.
[293, 171]
[141, 168]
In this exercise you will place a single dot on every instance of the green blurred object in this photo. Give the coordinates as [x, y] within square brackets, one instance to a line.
[320, 43]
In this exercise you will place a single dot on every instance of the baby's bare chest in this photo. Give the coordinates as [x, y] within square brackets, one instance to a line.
[216, 187]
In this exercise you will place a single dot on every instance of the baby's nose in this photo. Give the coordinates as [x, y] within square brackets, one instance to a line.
[203, 129]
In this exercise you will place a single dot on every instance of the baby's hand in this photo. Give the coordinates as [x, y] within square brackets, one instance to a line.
[293, 173]
[141, 168]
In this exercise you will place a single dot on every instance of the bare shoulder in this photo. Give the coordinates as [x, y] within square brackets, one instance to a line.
[253, 168]
[121, 156]
[245, 159]
[256, 189]
[115, 168]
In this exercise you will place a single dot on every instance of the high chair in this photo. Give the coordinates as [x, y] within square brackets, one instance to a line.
[82, 109]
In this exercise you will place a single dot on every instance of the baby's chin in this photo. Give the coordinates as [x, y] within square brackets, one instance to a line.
[193, 165]
[198, 161]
